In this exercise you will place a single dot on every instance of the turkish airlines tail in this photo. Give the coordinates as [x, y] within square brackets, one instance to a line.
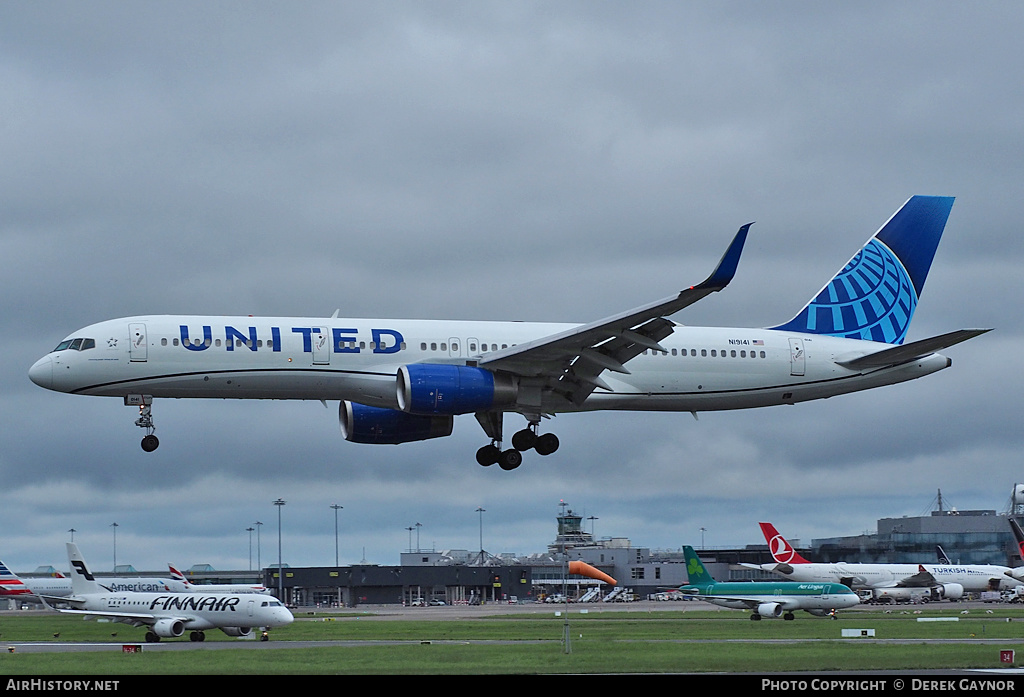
[779, 546]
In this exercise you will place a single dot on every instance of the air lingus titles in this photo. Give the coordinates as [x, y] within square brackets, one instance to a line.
[314, 339]
[185, 601]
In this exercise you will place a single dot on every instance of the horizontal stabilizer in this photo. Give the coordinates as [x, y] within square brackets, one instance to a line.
[911, 351]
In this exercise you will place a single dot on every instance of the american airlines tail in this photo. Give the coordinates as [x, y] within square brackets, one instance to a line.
[779, 546]
[10, 584]
[874, 296]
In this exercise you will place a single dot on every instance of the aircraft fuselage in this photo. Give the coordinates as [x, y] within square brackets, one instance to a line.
[701, 369]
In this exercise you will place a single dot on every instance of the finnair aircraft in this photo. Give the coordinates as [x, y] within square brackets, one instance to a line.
[400, 381]
[890, 581]
[765, 599]
[170, 614]
[218, 587]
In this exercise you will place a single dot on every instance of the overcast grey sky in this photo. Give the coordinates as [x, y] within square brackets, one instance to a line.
[556, 161]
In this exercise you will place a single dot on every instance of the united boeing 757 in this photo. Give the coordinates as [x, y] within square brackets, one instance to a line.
[400, 381]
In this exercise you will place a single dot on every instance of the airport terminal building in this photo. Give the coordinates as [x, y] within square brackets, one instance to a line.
[465, 577]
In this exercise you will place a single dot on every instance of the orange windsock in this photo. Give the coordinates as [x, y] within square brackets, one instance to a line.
[584, 569]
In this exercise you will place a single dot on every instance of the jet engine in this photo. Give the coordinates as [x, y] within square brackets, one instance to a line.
[948, 591]
[769, 610]
[429, 388]
[237, 631]
[169, 627]
[363, 424]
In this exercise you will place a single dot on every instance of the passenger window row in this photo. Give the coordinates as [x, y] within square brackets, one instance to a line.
[714, 353]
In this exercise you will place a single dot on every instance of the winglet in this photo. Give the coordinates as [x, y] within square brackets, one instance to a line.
[726, 268]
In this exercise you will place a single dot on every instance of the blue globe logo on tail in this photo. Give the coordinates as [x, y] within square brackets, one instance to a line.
[872, 298]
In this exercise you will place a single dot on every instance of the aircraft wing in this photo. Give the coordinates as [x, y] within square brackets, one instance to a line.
[922, 579]
[908, 352]
[572, 361]
[136, 618]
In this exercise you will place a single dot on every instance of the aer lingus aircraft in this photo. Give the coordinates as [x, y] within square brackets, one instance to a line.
[765, 599]
[405, 380]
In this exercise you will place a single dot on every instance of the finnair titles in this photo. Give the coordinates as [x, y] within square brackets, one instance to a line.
[400, 381]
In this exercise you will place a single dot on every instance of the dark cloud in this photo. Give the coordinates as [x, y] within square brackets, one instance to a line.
[534, 161]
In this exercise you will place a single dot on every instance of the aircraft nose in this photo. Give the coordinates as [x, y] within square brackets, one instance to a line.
[41, 373]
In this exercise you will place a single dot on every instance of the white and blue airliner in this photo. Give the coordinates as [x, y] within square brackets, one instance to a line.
[400, 381]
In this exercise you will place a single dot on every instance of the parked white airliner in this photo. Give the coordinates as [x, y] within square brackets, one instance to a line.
[889, 581]
[218, 587]
[404, 380]
[30, 589]
[170, 614]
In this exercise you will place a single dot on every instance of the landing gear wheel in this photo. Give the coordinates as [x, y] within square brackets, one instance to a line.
[789, 616]
[197, 636]
[152, 637]
[510, 459]
[150, 443]
[755, 617]
[546, 444]
[488, 455]
[524, 440]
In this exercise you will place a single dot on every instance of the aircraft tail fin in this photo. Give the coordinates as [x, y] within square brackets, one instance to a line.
[177, 575]
[697, 574]
[82, 580]
[782, 551]
[1018, 535]
[874, 296]
[10, 584]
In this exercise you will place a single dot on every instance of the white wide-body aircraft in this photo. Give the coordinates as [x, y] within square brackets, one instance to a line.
[890, 581]
[31, 589]
[171, 614]
[405, 380]
[218, 587]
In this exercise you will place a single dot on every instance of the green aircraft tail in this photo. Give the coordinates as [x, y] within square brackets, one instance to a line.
[695, 570]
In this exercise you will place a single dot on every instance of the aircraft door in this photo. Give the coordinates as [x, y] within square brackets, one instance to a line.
[138, 345]
[321, 348]
[252, 607]
[797, 360]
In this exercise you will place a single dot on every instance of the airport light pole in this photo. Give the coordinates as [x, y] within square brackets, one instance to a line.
[481, 510]
[409, 530]
[280, 567]
[418, 526]
[259, 558]
[115, 526]
[249, 530]
[336, 507]
[702, 531]
[72, 531]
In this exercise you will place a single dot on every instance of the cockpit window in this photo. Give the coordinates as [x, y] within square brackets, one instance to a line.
[75, 344]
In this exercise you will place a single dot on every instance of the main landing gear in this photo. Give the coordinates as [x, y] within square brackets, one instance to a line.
[523, 440]
[145, 420]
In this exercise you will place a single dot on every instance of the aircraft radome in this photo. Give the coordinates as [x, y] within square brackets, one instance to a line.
[400, 381]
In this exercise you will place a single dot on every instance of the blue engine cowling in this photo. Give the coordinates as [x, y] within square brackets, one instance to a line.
[363, 424]
[430, 388]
